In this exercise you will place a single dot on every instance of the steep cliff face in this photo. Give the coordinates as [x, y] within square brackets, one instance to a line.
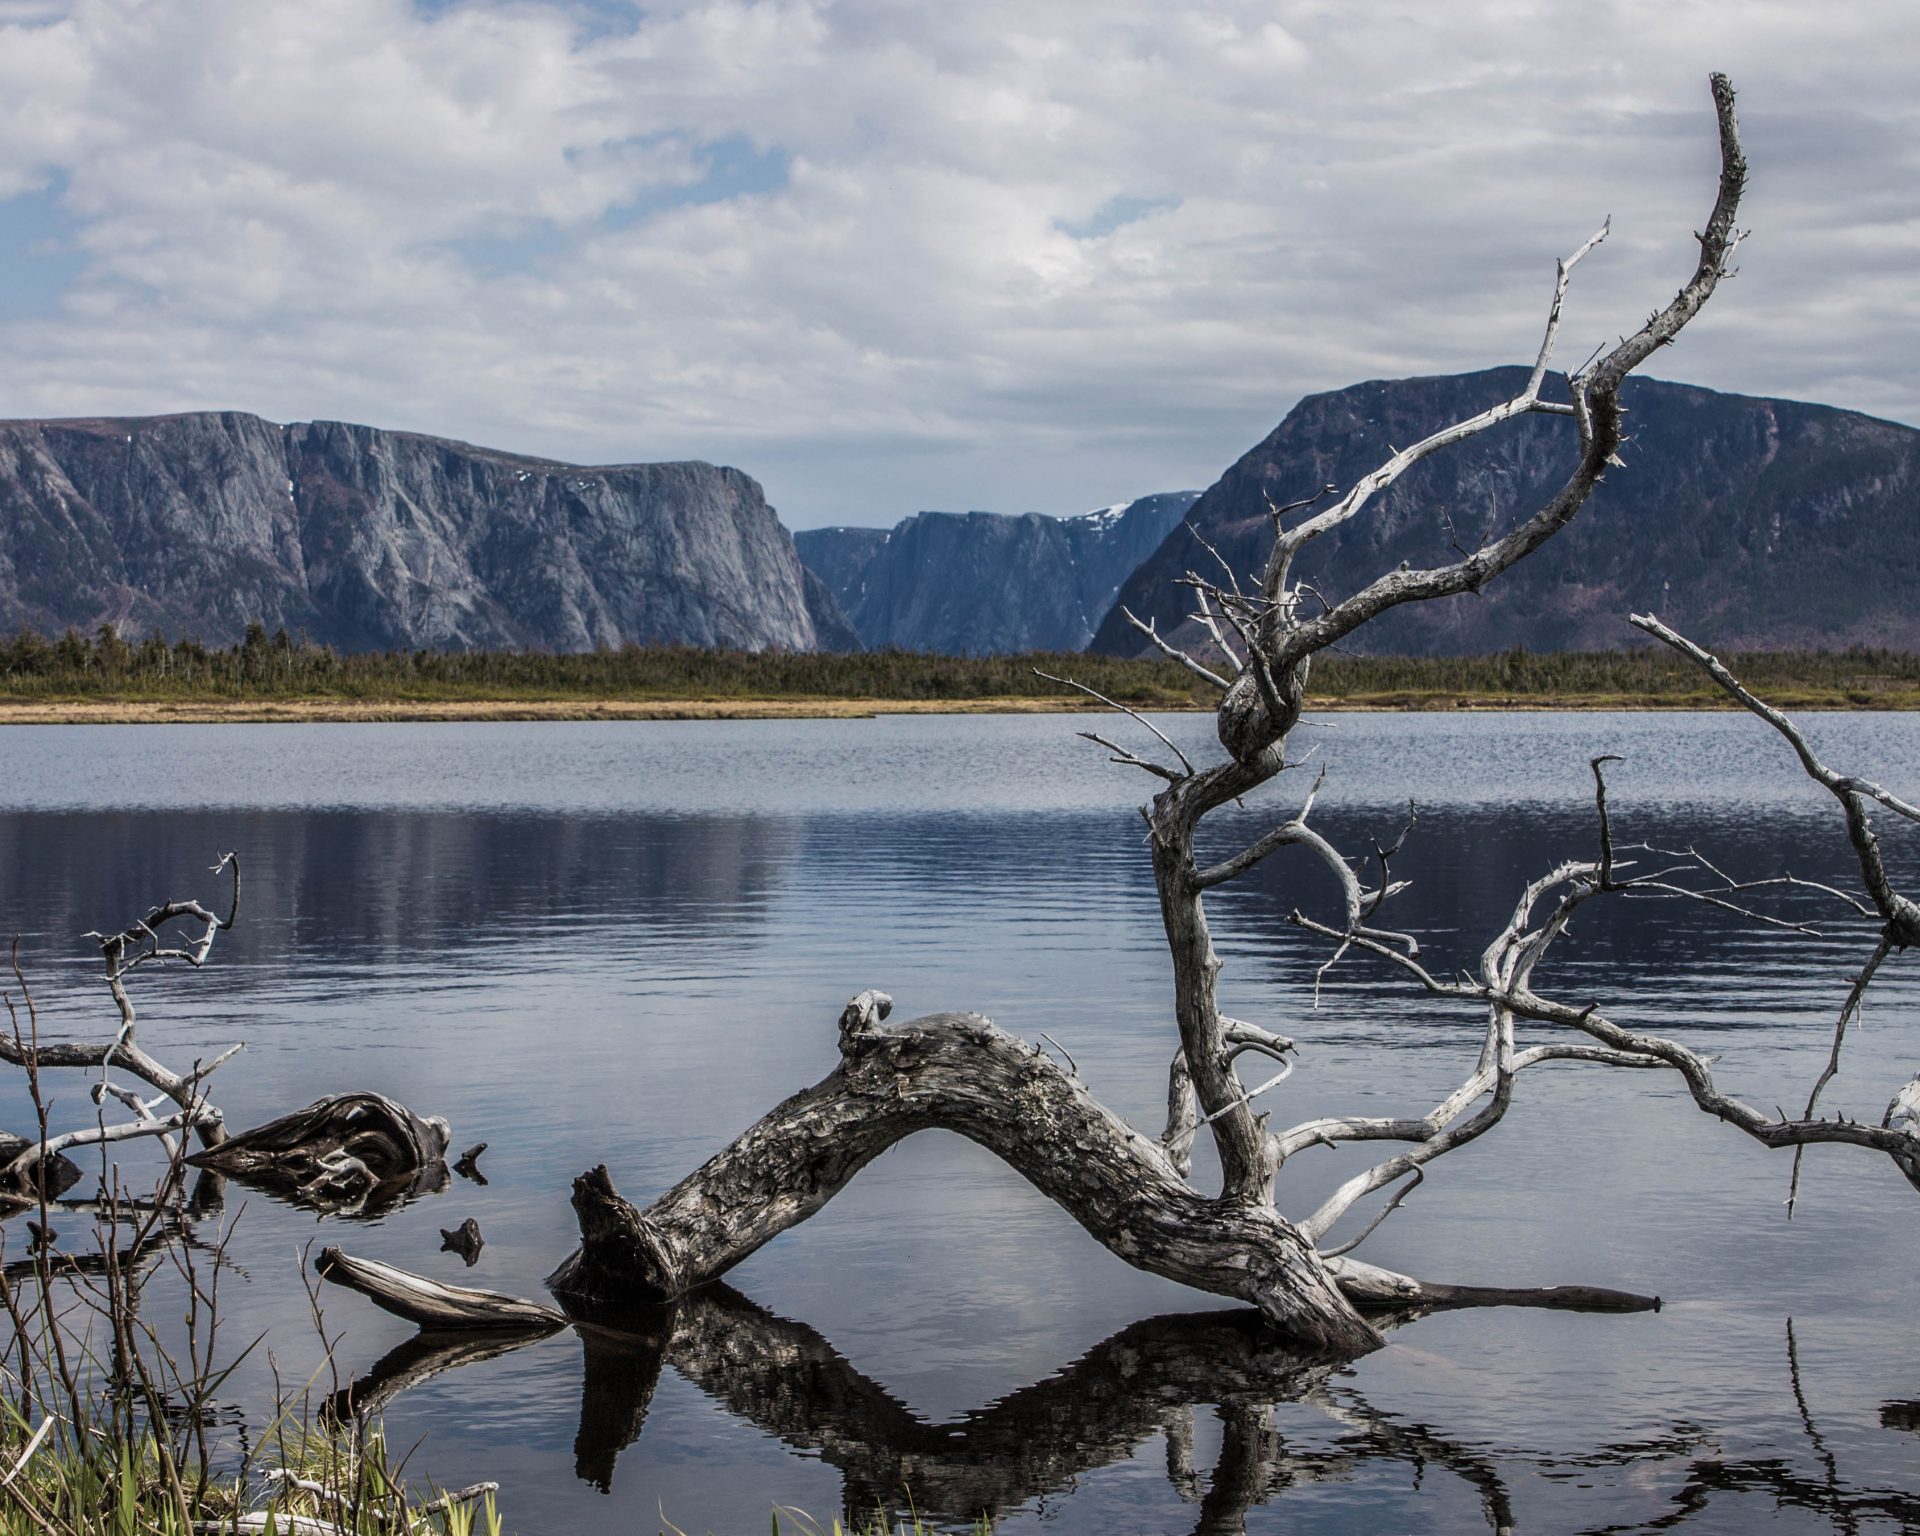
[1748, 522]
[198, 524]
[180, 522]
[983, 582]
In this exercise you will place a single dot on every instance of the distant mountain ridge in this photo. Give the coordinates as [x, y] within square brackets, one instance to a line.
[984, 583]
[370, 539]
[1749, 522]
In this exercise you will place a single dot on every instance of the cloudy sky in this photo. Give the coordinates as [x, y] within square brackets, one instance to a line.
[883, 255]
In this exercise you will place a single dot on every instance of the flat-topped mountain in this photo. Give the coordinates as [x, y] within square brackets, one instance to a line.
[980, 583]
[1749, 523]
[367, 539]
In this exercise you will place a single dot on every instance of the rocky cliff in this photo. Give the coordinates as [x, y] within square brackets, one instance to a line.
[366, 539]
[1747, 522]
[977, 583]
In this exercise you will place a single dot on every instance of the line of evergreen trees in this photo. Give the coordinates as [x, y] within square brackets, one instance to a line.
[106, 664]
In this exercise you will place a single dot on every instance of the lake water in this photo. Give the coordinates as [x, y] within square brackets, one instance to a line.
[621, 943]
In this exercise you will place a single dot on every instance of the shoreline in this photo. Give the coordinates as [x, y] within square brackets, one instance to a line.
[418, 711]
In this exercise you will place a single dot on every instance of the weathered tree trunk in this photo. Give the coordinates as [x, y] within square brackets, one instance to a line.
[955, 1072]
[1246, 1167]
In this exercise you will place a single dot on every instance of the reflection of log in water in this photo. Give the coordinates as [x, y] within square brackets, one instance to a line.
[621, 1371]
[788, 1381]
[419, 1359]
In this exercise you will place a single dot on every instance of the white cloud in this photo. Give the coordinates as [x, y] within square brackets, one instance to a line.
[1034, 254]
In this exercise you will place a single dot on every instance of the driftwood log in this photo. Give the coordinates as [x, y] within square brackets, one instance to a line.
[960, 1073]
[1151, 1378]
[349, 1153]
[432, 1304]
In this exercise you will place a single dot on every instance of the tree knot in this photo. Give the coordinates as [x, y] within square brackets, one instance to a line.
[862, 1015]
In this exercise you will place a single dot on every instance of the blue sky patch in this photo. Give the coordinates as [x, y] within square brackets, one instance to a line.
[734, 168]
[1113, 213]
[38, 260]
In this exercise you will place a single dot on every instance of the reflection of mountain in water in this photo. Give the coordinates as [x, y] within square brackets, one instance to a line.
[381, 883]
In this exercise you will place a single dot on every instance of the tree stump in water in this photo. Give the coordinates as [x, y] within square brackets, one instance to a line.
[346, 1152]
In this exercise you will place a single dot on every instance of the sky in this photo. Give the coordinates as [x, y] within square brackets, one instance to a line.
[887, 256]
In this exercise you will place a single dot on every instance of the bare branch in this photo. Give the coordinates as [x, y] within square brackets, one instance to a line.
[1419, 1177]
[1696, 1071]
[1241, 1037]
[1295, 831]
[1183, 1115]
[1094, 693]
[1849, 1010]
[1129, 759]
[1596, 407]
[1168, 649]
[1251, 1094]
[1213, 629]
[1845, 788]
[36, 1152]
[1606, 826]
[1384, 857]
[1226, 567]
[1563, 271]
[1073, 1067]
[1361, 1185]
[1361, 938]
[1369, 486]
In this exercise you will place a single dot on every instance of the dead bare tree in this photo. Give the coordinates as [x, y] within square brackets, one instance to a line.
[1132, 1191]
[959, 1072]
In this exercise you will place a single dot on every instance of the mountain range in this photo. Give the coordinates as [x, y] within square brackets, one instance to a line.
[977, 583]
[1748, 522]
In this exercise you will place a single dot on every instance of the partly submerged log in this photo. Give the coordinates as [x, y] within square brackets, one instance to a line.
[432, 1303]
[955, 1072]
[1372, 1289]
[348, 1152]
[790, 1382]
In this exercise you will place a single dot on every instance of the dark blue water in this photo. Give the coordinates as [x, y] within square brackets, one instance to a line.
[621, 943]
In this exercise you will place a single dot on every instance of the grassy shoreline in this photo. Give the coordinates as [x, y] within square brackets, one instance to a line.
[322, 709]
[105, 679]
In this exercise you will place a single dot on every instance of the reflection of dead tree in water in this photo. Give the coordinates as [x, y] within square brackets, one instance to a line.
[346, 1154]
[1146, 1380]
[1846, 1507]
[1149, 1379]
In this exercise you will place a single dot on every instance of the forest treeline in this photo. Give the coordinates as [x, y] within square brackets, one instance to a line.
[278, 666]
